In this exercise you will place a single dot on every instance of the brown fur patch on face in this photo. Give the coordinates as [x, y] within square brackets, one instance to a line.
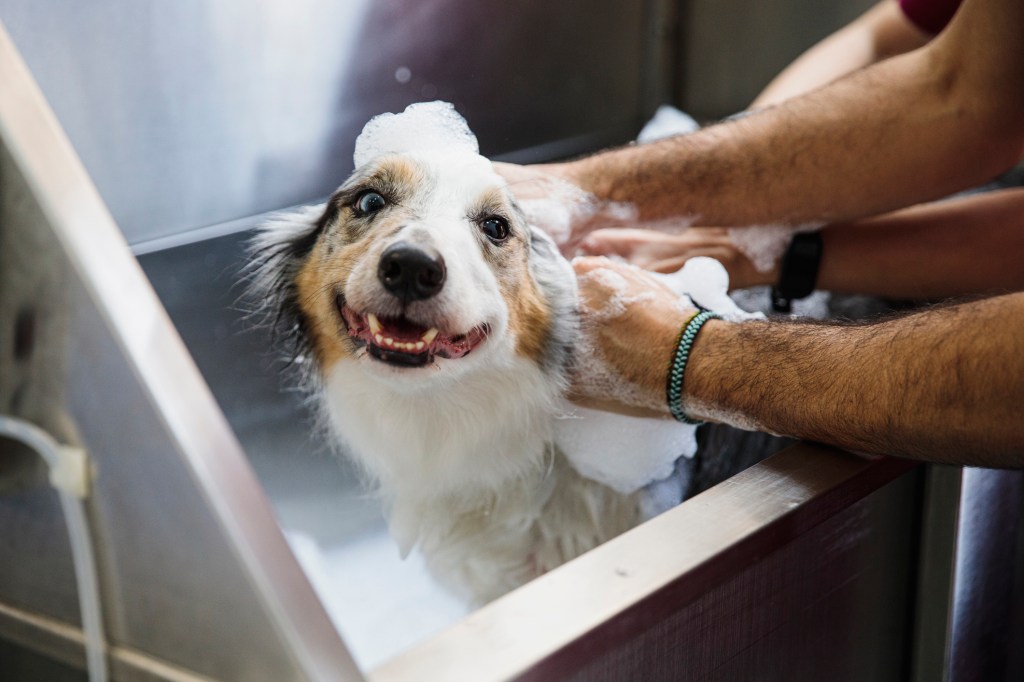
[316, 288]
[529, 316]
[529, 312]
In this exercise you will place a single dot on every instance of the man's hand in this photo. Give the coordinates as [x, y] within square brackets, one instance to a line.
[555, 200]
[630, 325]
[660, 252]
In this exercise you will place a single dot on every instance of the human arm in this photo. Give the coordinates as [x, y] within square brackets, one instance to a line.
[882, 32]
[973, 245]
[912, 128]
[945, 385]
[965, 246]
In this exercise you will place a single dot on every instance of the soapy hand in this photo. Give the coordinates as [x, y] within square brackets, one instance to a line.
[555, 201]
[662, 252]
[630, 325]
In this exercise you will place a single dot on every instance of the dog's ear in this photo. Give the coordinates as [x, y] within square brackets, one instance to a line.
[276, 253]
[557, 283]
[279, 246]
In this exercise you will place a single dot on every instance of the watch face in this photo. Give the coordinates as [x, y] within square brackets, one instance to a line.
[799, 271]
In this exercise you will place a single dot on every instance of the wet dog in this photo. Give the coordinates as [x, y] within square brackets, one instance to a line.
[440, 328]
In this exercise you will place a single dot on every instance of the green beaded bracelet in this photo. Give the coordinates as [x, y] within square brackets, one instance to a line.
[678, 367]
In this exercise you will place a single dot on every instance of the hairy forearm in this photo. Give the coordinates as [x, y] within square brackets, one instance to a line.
[882, 32]
[959, 247]
[910, 129]
[944, 385]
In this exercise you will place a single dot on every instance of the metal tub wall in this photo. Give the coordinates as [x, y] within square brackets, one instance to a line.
[191, 114]
[195, 577]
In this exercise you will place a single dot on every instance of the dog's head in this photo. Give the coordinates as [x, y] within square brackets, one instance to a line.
[419, 267]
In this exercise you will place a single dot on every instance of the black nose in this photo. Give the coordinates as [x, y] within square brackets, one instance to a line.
[410, 273]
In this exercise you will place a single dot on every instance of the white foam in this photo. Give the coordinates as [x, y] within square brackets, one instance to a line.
[666, 122]
[625, 453]
[705, 281]
[765, 244]
[422, 127]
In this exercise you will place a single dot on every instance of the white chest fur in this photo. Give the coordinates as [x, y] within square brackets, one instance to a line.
[468, 471]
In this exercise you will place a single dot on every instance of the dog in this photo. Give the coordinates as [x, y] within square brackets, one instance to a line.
[441, 327]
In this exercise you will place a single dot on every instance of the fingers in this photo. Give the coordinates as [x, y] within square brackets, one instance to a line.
[667, 253]
[584, 264]
[616, 241]
[625, 276]
[668, 265]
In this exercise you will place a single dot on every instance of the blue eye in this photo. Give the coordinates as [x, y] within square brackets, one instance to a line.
[370, 202]
[495, 227]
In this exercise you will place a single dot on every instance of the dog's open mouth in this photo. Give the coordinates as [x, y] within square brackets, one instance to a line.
[405, 343]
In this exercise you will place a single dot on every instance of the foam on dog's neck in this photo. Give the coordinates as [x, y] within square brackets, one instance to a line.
[425, 127]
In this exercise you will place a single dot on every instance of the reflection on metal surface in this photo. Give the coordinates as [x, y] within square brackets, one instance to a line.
[935, 572]
[194, 570]
[983, 606]
[189, 114]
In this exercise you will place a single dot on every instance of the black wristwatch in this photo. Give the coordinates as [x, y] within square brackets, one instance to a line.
[798, 272]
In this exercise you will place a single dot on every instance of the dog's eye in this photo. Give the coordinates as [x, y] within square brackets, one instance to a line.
[370, 202]
[495, 227]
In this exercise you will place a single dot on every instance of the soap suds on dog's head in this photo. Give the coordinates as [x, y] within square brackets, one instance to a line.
[422, 127]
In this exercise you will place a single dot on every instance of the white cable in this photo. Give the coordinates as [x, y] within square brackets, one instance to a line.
[69, 475]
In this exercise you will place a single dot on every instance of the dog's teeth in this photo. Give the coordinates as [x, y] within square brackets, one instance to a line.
[430, 335]
[378, 338]
[420, 345]
[374, 325]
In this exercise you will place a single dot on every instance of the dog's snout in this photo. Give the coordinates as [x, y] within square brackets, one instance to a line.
[410, 273]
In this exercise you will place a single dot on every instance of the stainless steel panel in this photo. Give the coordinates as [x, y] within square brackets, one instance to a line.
[194, 570]
[192, 113]
[983, 607]
[733, 48]
[312, 487]
[936, 574]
